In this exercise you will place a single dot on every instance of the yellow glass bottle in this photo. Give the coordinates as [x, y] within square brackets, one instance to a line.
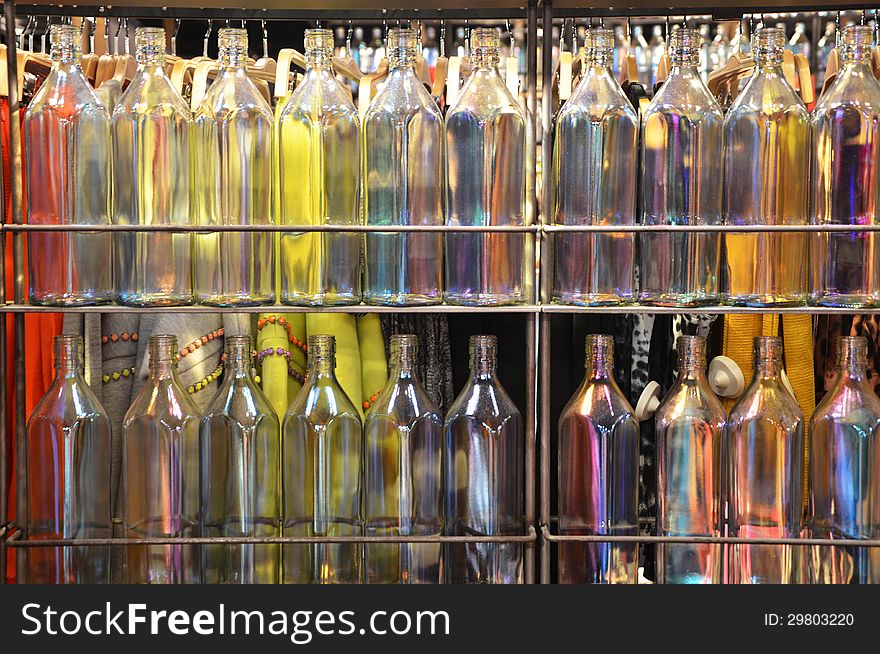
[318, 167]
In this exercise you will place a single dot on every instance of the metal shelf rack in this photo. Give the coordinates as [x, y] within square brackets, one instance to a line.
[537, 314]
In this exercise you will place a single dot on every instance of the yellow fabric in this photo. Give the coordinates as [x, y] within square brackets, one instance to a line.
[348, 358]
[374, 366]
[740, 331]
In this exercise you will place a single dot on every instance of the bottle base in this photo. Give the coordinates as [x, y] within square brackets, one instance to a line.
[759, 301]
[836, 301]
[402, 299]
[69, 300]
[484, 299]
[592, 299]
[155, 300]
[234, 300]
[678, 300]
[320, 300]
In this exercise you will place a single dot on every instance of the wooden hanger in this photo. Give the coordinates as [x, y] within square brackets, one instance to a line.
[789, 68]
[805, 79]
[453, 80]
[367, 86]
[200, 82]
[286, 58]
[831, 70]
[125, 64]
[629, 71]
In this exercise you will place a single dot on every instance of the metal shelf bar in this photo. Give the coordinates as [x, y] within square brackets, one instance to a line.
[198, 229]
[15, 540]
[734, 229]
[273, 308]
[709, 540]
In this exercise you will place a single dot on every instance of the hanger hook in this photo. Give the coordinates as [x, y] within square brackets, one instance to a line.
[264, 27]
[628, 31]
[510, 37]
[562, 35]
[443, 37]
[127, 35]
[24, 32]
[174, 34]
[207, 37]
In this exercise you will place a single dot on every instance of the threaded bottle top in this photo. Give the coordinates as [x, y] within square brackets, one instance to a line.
[852, 354]
[403, 352]
[857, 43]
[691, 355]
[485, 46]
[233, 45]
[599, 44]
[68, 353]
[769, 45]
[322, 352]
[66, 43]
[319, 47]
[402, 47]
[768, 355]
[149, 45]
[600, 355]
[484, 354]
[239, 353]
[684, 48]
[162, 349]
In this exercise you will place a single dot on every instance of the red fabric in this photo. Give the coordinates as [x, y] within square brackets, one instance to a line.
[40, 330]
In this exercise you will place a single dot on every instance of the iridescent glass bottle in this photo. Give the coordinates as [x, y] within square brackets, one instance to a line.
[681, 183]
[765, 475]
[232, 174]
[68, 471]
[151, 182]
[846, 189]
[402, 167]
[485, 183]
[594, 175]
[319, 173]
[484, 469]
[403, 441]
[240, 449]
[689, 428]
[160, 473]
[766, 154]
[321, 476]
[598, 463]
[844, 478]
[67, 162]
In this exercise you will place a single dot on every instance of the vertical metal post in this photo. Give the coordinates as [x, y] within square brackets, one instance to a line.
[546, 199]
[15, 154]
[4, 380]
[532, 319]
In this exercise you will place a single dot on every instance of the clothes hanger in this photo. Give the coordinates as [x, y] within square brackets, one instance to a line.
[511, 64]
[266, 63]
[106, 61]
[90, 59]
[629, 70]
[833, 65]
[440, 69]
[564, 73]
[125, 63]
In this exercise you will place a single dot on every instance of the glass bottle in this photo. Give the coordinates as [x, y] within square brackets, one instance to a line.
[403, 441]
[483, 446]
[160, 473]
[765, 475]
[846, 190]
[68, 471]
[766, 154]
[402, 166]
[844, 479]
[690, 431]
[67, 161]
[151, 181]
[681, 182]
[485, 183]
[240, 449]
[318, 132]
[321, 478]
[232, 173]
[594, 174]
[598, 463]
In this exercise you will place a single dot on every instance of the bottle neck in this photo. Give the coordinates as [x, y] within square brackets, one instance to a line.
[239, 361]
[768, 368]
[599, 58]
[318, 59]
[599, 368]
[233, 57]
[322, 366]
[485, 58]
[68, 367]
[402, 58]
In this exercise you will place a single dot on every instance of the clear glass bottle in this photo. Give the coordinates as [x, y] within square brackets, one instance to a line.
[152, 127]
[846, 189]
[403, 441]
[843, 476]
[766, 155]
[594, 175]
[160, 473]
[484, 470]
[485, 184]
[67, 161]
[319, 177]
[68, 471]
[689, 428]
[765, 474]
[598, 463]
[232, 175]
[321, 479]
[403, 164]
[240, 450]
[681, 183]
